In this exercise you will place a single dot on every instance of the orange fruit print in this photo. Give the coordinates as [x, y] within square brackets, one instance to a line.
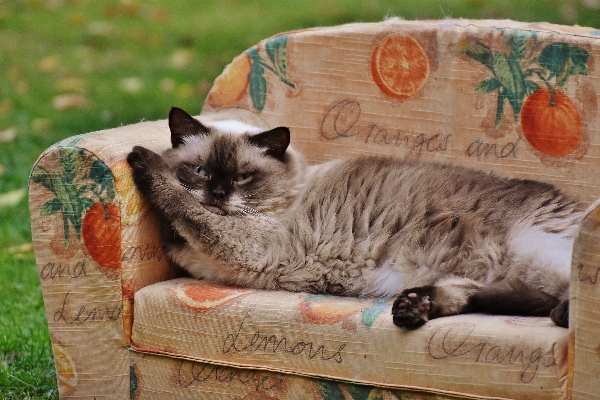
[101, 232]
[328, 311]
[231, 85]
[552, 126]
[132, 204]
[204, 296]
[527, 75]
[65, 369]
[399, 66]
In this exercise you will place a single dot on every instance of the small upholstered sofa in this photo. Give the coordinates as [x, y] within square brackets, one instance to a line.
[517, 99]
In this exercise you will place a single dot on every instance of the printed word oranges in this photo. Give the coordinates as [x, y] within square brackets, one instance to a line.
[231, 85]
[551, 124]
[399, 66]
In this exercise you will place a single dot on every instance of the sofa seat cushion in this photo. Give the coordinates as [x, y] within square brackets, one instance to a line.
[352, 340]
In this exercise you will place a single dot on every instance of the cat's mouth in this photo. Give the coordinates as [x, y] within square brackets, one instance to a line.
[214, 209]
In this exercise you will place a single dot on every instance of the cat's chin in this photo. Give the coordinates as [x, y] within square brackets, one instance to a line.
[215, 209]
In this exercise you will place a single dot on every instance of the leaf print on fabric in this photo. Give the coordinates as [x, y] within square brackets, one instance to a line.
[360, 392]
[527, 75]
[133, 381]
[370, 314]
[330, 390]
[257, 82]
[563, 60]
[276, 62]
[276, 49]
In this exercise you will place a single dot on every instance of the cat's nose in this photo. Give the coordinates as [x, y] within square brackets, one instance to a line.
[218, 193]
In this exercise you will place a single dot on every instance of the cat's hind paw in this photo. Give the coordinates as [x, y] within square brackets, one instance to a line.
[413, 307]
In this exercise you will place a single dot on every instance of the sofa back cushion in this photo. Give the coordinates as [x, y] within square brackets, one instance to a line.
[513, 98]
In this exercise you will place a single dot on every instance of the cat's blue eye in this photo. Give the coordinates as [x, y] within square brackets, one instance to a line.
[240, 178]
[201, 171]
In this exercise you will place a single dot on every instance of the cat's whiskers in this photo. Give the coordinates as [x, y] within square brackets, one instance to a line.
[193, 192]
[251, 212]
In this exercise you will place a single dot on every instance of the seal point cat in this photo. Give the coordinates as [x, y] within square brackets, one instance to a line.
[239, 206]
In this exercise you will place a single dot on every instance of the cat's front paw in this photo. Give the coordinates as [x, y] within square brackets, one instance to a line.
[141, 158]
[413, 307]
[146, 166]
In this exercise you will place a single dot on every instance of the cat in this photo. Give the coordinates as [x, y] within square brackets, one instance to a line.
[239, 206]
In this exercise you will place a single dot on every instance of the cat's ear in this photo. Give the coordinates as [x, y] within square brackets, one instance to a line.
[183, 125]
[275, 141]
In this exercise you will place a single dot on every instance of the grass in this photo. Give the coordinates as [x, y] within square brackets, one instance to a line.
[126, 61]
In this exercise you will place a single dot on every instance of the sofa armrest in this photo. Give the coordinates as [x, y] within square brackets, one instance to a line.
[96, 243]
[584, 319]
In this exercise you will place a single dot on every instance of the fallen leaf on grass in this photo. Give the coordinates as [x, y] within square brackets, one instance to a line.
[181, 58]
[71, 84]
[5, 106]
[12, 198]
[49, 64]
[131, 85]
[8, 135]
[23, 248]
[69, 101]
[186, 91]
[167, 85]
[41, 124]
[103, 29]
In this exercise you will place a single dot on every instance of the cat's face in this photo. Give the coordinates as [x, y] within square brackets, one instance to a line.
[231, 168]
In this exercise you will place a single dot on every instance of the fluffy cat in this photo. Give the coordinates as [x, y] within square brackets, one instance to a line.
[240, 207]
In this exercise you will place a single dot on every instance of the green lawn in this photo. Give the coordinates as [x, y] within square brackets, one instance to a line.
[75, 66]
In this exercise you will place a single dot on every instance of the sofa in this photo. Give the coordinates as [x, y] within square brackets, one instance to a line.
[515, 99]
